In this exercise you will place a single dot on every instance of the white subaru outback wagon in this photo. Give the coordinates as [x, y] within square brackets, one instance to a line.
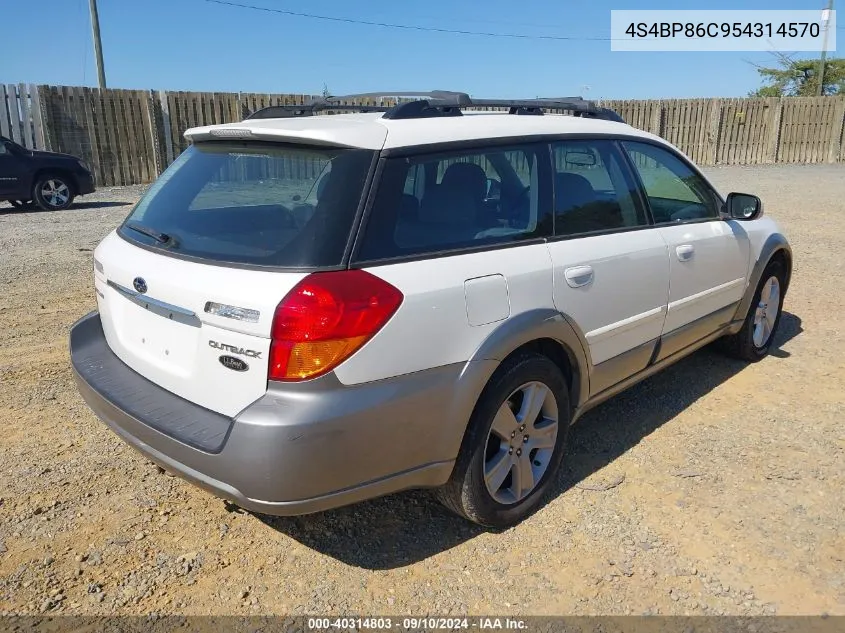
[308, 311]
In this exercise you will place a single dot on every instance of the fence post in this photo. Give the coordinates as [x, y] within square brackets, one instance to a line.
[165, 120]
[37, 117]
[842, 146]
[14, 114]
[26, 117]
[152, 130]
[836, 133]
[4, 113]
[656, 124]
[46, 117]
[773, 141]
[713, 131]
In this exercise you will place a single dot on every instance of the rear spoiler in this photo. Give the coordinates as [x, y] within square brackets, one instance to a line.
[349, 138]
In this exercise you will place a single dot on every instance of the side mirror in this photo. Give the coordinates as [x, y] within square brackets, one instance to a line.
[743, 206]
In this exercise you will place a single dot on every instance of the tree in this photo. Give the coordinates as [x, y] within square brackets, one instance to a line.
[800, 78]
[326, 92]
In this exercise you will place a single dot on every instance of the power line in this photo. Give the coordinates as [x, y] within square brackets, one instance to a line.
[409, 27]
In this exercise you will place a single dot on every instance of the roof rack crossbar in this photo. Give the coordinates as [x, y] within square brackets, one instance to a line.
[400, 94]
[336, 103]
[569, 103]
[435, 103]
[447, 105]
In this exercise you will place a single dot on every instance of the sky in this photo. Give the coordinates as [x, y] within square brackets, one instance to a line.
[204, 46]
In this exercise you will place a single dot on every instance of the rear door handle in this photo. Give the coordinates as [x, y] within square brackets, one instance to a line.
[578, 276]
[685, 252]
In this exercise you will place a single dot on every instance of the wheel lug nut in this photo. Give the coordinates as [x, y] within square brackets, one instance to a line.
[522, 428]
[510, 451]
[525, 439]
[519, 452]
[513, 434]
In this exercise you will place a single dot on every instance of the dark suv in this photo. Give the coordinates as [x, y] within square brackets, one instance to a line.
[49, 179]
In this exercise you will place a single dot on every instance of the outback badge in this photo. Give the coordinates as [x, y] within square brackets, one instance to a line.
[235, 364]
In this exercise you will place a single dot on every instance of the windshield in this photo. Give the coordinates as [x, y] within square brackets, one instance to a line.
[254, 203]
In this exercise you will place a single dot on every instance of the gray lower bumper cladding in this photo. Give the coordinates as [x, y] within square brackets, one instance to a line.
[300, 448]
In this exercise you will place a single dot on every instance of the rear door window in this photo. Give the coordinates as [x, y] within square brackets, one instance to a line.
[254, 203]
[456, 200]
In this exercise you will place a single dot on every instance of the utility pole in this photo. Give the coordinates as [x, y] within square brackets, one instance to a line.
[98, 47]
[826, 19]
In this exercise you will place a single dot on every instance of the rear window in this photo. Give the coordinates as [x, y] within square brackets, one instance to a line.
[254, 203]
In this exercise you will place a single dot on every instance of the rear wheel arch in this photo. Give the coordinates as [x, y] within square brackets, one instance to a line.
[543, 331]
[463, 491]
[561, 356]
[550, 333]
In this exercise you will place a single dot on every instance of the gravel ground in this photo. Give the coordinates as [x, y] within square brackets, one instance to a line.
[713, 488]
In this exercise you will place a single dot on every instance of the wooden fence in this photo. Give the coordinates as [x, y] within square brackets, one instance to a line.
[111, 130]
[130, 136]
[745, 131]
[21, 115]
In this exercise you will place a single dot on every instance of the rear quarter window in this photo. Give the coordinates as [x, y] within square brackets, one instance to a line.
[466, 199]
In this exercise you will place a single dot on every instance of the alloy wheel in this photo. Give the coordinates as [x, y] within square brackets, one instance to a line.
[767, 312]
[521, 443]
[55, 192]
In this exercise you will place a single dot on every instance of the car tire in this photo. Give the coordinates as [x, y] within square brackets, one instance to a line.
[498, 459]
[753, 341]
[53, 192]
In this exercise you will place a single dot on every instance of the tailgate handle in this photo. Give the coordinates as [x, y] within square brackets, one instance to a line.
[161, 308]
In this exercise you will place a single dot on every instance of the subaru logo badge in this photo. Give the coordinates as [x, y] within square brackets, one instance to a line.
[140, 285]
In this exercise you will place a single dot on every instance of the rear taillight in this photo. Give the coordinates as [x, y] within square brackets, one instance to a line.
[325, 319]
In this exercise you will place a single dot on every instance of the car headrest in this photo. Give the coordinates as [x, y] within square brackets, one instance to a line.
[409, 208]
[572, 191]
[467, 177]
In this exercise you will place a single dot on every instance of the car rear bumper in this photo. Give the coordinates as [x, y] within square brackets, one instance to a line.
[299, 449]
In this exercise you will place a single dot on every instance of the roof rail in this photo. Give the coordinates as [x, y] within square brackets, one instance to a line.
[307, 109]
[436, 103]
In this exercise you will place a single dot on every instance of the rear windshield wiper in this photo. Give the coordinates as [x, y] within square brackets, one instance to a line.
[158, 236]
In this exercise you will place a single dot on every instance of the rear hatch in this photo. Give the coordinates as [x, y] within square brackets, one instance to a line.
[188, 285]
